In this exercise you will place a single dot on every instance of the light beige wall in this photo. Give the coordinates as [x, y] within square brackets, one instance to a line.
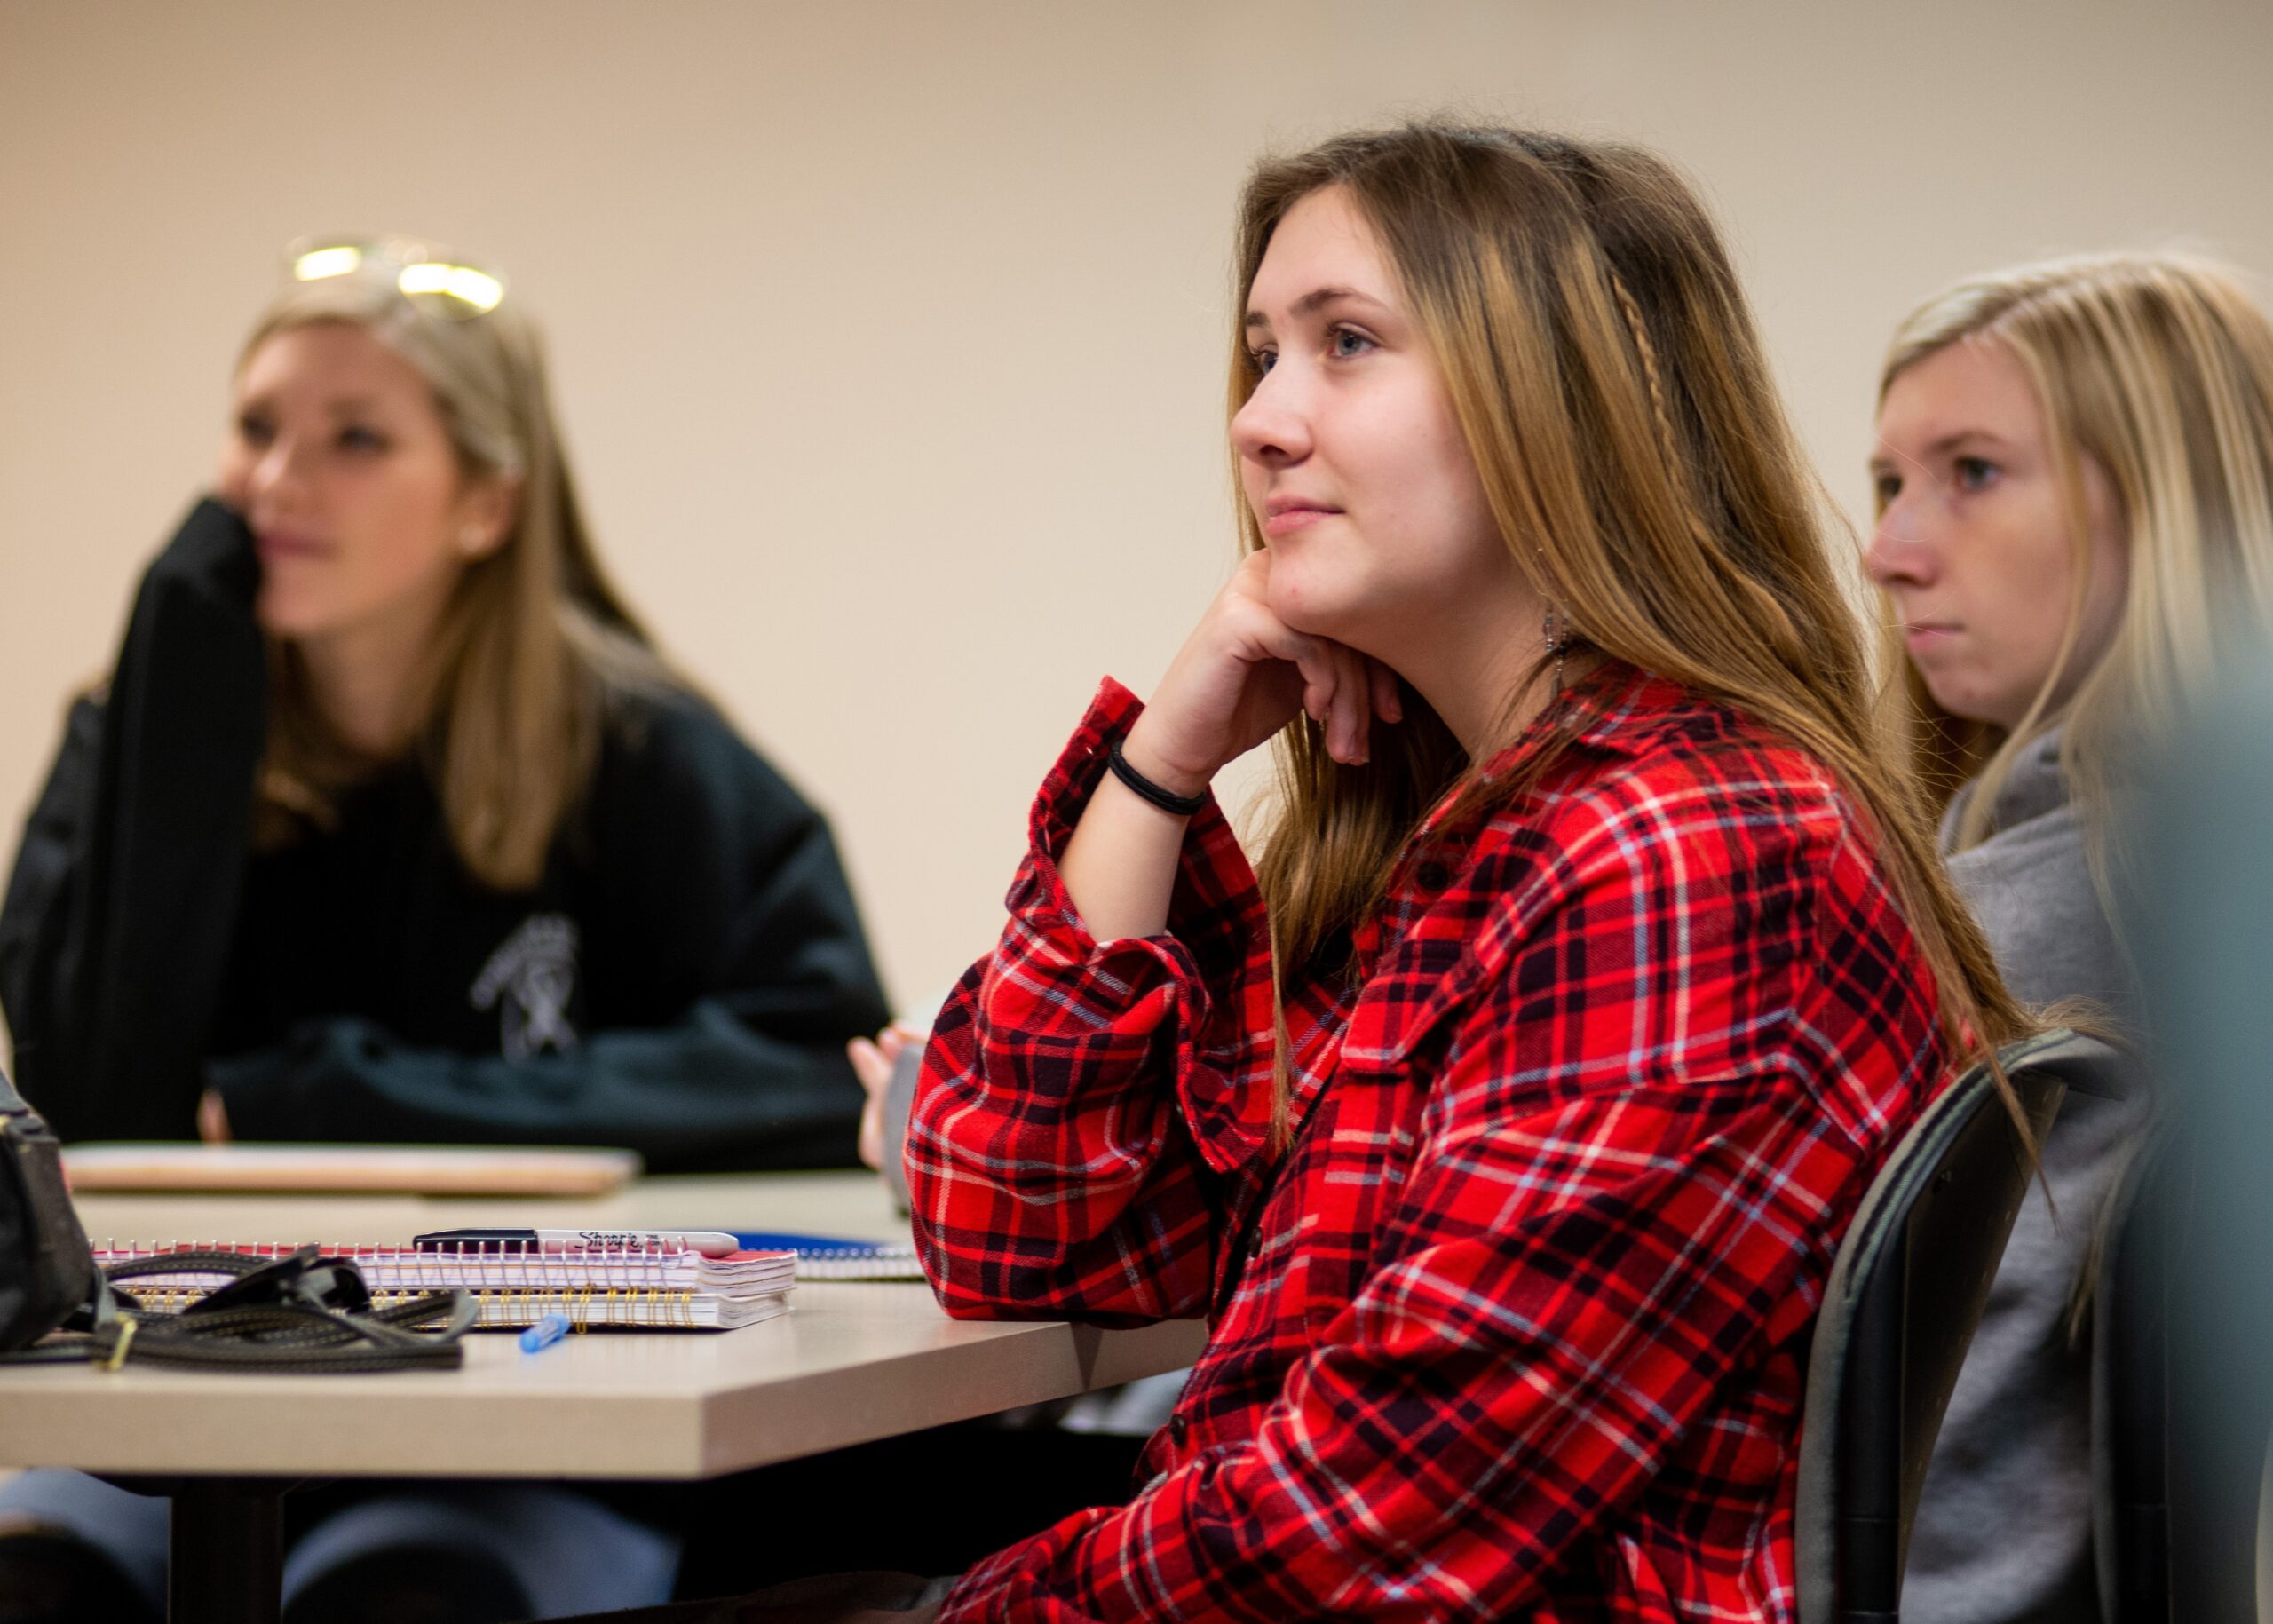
[890, 337]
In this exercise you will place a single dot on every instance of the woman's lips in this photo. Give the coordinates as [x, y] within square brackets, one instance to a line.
[281, 546]
[1920, 636]
[1286, 520]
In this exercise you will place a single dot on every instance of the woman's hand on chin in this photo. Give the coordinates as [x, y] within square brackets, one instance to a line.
[1242, 675]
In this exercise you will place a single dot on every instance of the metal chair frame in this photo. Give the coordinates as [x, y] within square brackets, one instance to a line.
[1905, 1293]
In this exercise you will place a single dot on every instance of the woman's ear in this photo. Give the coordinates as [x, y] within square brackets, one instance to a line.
[487, 513]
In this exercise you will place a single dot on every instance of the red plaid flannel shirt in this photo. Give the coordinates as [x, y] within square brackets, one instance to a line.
[1518, 1328]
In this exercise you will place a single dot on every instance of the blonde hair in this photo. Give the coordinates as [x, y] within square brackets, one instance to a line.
[2158, 367]
[1601, 362]
[513, 686]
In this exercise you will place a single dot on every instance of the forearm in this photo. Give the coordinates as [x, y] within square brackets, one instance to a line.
[1120, 867]
[43, 927]
[707, 1093]
[120, 918]
[1051, 1159]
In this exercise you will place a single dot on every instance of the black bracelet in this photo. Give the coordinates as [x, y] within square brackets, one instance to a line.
[1182, 805]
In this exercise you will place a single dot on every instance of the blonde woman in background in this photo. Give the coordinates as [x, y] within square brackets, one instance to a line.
[391, 825]
[2076, 538]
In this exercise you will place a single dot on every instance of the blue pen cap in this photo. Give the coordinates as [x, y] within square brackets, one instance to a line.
[544, 1333]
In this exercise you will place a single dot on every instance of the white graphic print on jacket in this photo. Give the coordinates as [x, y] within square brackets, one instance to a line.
[530, 979]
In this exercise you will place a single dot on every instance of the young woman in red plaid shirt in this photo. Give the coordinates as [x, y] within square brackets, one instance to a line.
[1505, 1121]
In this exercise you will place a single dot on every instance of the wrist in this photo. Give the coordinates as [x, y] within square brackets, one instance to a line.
[1137, 750]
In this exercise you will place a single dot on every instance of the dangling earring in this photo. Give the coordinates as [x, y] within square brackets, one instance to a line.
[1553, 631]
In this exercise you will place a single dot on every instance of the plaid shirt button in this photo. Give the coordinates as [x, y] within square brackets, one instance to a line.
[1432, 876]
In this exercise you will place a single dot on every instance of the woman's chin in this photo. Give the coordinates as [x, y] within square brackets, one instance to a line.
[1312, 613]
[1969, 705]
[284, 618]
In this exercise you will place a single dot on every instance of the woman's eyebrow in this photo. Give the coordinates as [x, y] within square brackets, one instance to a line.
[337, 406]
[1315, 300]
[1887, 457]
[1959, 437]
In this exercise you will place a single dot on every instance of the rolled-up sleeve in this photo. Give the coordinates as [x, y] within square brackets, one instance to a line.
[1081, 1100]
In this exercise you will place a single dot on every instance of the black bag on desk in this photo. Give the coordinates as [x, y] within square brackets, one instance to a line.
[297, 1312]
[47, 1271]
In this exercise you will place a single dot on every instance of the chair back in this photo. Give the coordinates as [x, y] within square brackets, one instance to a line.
[1906, 1293]
[2130, 1400]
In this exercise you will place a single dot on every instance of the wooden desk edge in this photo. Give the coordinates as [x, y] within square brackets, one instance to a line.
[395, 1429]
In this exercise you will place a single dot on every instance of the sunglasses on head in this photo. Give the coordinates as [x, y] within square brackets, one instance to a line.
[429, 277]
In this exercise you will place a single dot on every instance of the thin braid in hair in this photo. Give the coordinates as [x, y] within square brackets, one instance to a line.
[1668, 440]
[1631, 308]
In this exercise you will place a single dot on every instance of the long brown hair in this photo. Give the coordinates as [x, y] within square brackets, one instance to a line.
[2158, 367]
[535, 640]
[1601, 361]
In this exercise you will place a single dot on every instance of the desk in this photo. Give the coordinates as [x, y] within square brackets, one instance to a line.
[850, 1362]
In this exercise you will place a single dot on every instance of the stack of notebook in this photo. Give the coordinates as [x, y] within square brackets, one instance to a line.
[606, 1288]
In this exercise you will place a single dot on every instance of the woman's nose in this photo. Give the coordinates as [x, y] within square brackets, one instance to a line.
[1272, 427]
[1898, 553]
[279, 470]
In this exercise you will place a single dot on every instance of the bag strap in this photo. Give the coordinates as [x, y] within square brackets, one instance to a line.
[303, 1338]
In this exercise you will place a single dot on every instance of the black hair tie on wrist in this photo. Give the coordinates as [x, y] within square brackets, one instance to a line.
[1182, 805]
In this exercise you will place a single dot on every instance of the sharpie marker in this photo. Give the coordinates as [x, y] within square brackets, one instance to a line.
[709, 1242]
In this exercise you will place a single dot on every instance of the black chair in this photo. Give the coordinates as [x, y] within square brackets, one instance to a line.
[1903, 1298]
[2130, 1398]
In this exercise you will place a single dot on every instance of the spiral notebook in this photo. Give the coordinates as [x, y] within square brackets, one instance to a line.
[610, 1287]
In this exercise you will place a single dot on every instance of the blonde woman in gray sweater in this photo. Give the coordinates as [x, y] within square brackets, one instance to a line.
[2075, 538]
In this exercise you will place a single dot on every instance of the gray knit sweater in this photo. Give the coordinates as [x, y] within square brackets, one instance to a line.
[2003, 1534]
